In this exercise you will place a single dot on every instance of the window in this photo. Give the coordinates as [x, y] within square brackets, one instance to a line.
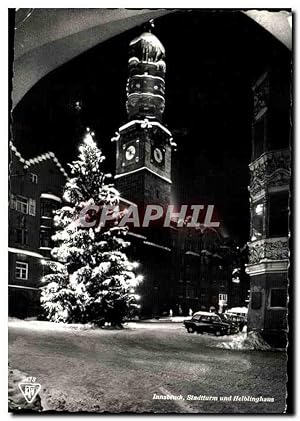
[21, 270]
[202, 298]
[33, 178]
[257, 221]
[278, 214]
[22, 236]
[45, 238]
[278, 297]
[259, 137]
[190, 292]
[47, 208]
[256, 300]
[22, 204]
[222, 297]
[13, 202]
[31, 207]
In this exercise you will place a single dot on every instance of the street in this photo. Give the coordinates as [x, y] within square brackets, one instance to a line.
[131, 370]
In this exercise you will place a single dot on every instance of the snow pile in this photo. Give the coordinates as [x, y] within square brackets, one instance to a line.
[252, 341]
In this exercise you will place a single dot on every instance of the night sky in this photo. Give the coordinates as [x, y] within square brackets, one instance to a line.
[213, 58]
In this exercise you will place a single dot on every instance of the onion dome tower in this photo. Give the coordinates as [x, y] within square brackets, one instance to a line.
[146, 81]
[144, 144]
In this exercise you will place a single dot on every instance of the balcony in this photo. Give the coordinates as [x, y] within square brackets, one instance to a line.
[271, 169]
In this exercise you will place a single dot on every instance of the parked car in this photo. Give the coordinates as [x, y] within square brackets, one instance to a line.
[204, 322]
[240, 321]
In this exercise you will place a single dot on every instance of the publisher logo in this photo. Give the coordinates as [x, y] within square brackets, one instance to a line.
[29, 389]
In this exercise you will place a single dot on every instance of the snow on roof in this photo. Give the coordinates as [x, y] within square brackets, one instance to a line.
[238, 310]
[17, 153]
[203, 313]
[147, 38]
[37, 159]
[51, 197]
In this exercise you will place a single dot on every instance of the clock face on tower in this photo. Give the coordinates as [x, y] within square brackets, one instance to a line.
[157, 155]
[130, 153]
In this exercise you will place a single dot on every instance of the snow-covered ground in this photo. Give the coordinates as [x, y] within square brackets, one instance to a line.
[120, 370]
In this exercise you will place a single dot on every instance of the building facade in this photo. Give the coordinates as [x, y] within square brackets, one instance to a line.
[269, 190]
[185, 269]
[35, 190]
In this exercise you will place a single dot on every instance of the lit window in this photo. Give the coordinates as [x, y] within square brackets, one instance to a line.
[33, 178]
[21, 270]
[259, 209]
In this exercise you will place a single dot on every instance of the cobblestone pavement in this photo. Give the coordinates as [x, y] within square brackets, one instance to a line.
[122, 371]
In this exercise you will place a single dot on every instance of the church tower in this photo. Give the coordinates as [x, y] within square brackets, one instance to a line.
[144, 144]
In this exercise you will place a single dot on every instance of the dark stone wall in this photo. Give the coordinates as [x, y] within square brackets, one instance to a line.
[264, 317]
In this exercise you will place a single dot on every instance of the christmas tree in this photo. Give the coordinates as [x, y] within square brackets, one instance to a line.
[91, 278]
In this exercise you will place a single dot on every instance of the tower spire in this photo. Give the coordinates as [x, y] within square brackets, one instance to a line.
[146, 77]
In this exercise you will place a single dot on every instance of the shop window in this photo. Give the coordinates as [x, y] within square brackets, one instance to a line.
[278, 297]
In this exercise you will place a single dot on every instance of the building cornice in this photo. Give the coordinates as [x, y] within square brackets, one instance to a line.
[142, 122]
[268, 266]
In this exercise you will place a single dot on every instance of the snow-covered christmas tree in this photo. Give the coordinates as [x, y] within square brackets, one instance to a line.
[91, 279]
